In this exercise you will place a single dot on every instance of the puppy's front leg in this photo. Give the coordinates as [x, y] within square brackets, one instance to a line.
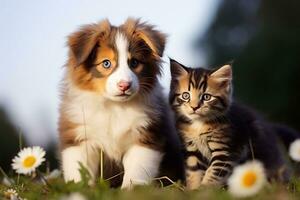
[83, 153]
[141, 165]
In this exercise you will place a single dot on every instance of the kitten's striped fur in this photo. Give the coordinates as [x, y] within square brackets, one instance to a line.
[216, 133]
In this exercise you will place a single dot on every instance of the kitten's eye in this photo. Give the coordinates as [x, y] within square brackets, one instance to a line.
[180, 101]
[206, 97]
[185, 96]
[106, 63]
[133, 63]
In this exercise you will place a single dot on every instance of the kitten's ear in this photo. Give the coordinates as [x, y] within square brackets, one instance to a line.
[177, 69]
[155, 39]
[223, 76]
[82, 42]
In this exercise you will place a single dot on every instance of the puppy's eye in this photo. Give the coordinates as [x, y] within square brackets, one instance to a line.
[185, 96]
[206, 97]
[106, 64]
[133, 63]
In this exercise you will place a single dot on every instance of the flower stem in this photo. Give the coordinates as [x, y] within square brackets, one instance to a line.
[170, 180]
[43, 178]
[101, 164]
[5, 175]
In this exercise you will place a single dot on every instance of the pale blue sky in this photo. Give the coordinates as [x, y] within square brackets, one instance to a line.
[32, 48]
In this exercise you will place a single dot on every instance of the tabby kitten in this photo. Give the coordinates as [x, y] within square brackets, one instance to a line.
[216, 132]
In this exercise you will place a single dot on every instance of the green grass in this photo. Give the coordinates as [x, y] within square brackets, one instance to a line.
[37, 187]
[33, 188]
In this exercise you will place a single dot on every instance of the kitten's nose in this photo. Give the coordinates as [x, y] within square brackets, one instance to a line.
[124, 85]
[195, 108]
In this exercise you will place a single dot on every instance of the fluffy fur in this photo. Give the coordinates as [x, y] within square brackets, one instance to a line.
[112, 101]
[218, 133]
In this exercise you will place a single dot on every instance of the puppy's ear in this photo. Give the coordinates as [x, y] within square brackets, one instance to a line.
[155, 39]
[82, 42]
[177, 69]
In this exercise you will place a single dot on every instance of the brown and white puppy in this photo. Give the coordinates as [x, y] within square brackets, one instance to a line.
[112, 101]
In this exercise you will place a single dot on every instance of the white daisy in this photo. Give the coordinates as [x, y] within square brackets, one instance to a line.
[247, 179]
[294, 150]
[28, 159]
[11, 194]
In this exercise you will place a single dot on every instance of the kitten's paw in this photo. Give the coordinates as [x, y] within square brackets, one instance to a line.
[193, 183]
[206, 182]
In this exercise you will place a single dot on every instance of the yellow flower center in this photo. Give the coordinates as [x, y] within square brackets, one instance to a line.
[29, 161]
[249, 179]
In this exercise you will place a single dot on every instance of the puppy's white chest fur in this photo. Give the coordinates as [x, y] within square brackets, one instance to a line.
[113, 127]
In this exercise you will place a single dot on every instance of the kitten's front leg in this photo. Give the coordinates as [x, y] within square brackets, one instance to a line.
[195, 166]
[220, 167]
[82, 153]
[194, 171]
[141, 165]
[217, 174]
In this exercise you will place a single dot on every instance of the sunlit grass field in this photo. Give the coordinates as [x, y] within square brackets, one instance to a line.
[29, 182]
[35, 188]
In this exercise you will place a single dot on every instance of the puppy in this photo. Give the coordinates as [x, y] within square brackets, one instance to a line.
[112, 101]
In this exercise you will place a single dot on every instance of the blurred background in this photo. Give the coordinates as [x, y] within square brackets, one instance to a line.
[261, 36]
